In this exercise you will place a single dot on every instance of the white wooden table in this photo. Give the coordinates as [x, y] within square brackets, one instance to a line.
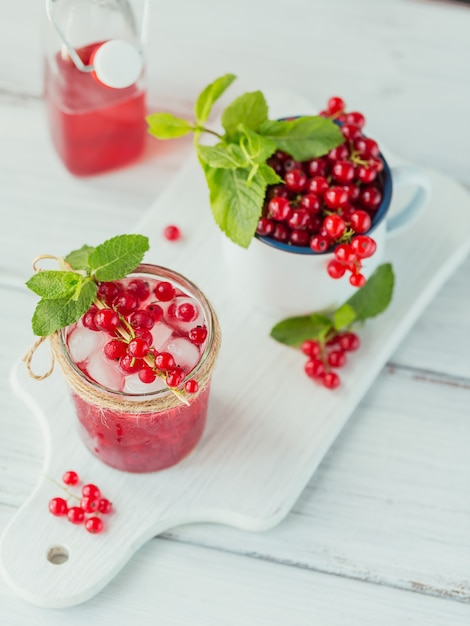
[382, 531]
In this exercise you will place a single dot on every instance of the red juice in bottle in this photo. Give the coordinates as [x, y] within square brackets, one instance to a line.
[94, 128]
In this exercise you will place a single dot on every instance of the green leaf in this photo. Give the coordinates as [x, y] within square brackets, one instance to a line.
[50, 284]
[293, 331]
[52, 315]
[78, 259]
[269, 175]
[258, 147]
[167, 126]
[373, 298]
[225, 156]
[210, 95]
[304, 138]
[236, 206]
[117, 257]
[249, 109]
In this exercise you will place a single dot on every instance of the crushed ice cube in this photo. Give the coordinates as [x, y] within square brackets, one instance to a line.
[82, 343]
[185, 353]
[133, 384]
[105, 372]
[160, 333]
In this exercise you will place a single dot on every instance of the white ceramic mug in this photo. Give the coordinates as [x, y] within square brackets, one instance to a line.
[286, 280]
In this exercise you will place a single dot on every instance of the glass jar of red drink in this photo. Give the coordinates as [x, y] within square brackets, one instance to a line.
[130, 428]
[95, 82]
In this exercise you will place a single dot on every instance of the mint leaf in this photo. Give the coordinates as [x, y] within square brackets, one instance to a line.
[269, 175]
[305, 137]
[259, 148]
[293, 331]
[78, 259]
[235, 205]
[250, 109]
[167, 126]
[52, 315]
[50, 284]
[344, 316]
[225, 156]
[373, 298]
[117, 257]
[209, 95]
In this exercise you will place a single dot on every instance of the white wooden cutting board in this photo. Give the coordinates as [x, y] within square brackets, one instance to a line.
[268, 425]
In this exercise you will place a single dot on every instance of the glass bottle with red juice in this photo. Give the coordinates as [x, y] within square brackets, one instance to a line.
[94, 82]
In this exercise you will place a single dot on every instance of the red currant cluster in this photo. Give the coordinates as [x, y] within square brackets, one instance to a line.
[329, 200]
[324, 358]
[89, 508]
[128, 313]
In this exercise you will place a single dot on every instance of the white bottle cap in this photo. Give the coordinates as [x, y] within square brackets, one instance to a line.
[117, 63]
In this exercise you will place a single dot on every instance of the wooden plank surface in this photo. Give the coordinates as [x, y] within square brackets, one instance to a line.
[387, 513]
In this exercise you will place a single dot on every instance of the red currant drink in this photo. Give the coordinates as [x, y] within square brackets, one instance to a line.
[140, 368]
[94, 127]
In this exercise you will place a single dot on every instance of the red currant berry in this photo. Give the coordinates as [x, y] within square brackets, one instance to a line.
[89, 504]
[370, 197]
[142, 318]
[340, 153]
[345, 253]
[354, 117]
[94, 525]
[366, 174]
[319, 243]
[108, 291]
[186, 312]
[281, 232]
[70, 478]
[107, 320]
[279, 209]
[360, 221]
[156, 311]
[318, 167]
[125, 303]
[76, 515]
[337, 358]
[104, 506]
[90, 490]
[351, 131]
[115, 349]
[357, 280]
[318, 185]
[172, 233]
[335, 197]
[353, 191]
[331, 380]
[175, 377]
[363, 246]
[140, 288]
[335, 269]
[299, 238]
[334, 226]
[315, 368]
[198, 334]
[343, 171]
[89, 319]
[138, 347]
[130, 364]
[165, 291]
[144, 334]
[311, 348]
[291, 164]
[265, 227]
[191, 386]
[296, 180]
[146, 375]
[58, 507]
[300, 219]
[165, 362]
[335, 104]
[311, 203]
[376, 163]
[349, 341]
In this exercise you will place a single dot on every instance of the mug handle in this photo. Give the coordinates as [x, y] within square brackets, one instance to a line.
[405, 175]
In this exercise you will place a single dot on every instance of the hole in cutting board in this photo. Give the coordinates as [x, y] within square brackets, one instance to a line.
[58, 555]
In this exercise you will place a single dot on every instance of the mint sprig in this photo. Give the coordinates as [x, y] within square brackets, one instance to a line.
[236, 169]
[367, 302]
[68, 293]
